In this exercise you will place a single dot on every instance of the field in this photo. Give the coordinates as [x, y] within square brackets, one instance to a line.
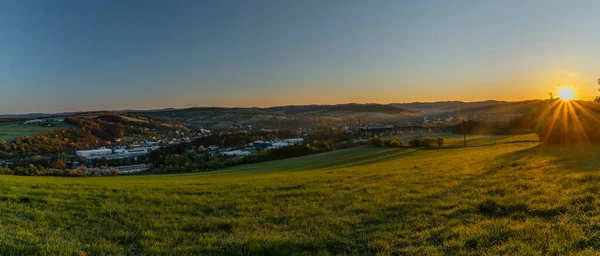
[453, 140]
[507, 198]
[133, 119]
[9, 131]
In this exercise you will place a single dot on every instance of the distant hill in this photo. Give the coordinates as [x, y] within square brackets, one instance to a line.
[87, 130]
[284, 117]
[489, 107]
[36, 115]
[325, 109]
[310, 116]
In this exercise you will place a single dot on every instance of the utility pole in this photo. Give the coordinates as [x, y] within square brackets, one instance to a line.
[359, 129]
[462, 125]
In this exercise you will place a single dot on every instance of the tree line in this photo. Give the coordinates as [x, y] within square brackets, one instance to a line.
[195, 156]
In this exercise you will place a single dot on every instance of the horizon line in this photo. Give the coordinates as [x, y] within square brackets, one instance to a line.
[5, 115]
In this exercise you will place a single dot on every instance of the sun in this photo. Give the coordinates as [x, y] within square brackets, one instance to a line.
[566, 93]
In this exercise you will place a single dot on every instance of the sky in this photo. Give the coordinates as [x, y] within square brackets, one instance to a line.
[77, 55]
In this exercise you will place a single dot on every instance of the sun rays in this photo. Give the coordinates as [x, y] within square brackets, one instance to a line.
[564, 120]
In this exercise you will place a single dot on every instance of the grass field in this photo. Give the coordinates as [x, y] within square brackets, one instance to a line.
[9, 131]
[508, 198]
[130, 118]
[452, 140]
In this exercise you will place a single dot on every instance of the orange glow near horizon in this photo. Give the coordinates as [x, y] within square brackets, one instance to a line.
[566, 93]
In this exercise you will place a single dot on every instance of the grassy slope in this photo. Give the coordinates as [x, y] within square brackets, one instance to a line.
[10, 130]
[457, 140]
[505, 199]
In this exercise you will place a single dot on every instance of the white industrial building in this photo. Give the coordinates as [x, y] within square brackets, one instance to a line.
[137, 151]
[236, 153]
[94, 152]
[116, 153]
[34, 121]
[48, 120]
[285, 142]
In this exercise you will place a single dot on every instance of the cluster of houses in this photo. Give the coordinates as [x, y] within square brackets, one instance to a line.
[44, 121]
[261, 145]
[440, 121]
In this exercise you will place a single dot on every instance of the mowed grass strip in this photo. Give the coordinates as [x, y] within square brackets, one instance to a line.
[515, 199]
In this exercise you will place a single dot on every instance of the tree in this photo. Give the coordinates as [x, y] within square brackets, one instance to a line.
[83, 169]
[61, 161]
[6, 171]
[395, 143]
[375, 141]
[4, 146]
[597, 99]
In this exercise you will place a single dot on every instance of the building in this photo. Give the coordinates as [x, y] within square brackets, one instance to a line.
[235, 153]
[276, 143]
[39, 121]
[151, 143]
[94, 152]
[294, 141]
[262, 144]
[119, 151]
[138, 151]
[34, 121]
[5, 163]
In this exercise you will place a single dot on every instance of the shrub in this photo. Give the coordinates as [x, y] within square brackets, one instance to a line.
[416, 142]
[74, 173]
[375, 141]
[427, 142]
[440, 141]
[6, 171]
[386, 143]
[395, 143]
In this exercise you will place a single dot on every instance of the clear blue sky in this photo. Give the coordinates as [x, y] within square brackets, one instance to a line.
[89, 55]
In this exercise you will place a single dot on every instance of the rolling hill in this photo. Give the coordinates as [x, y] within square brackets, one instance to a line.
[508, 198]
[287, 117]
[310, 116]
[490, 106]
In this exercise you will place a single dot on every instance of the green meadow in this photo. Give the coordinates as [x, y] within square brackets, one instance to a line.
[503, 198]
[9, 131]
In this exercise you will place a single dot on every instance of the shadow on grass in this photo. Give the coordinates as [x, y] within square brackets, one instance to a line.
[358, 158]
[491, 207]
[575, 158]
[392, 154]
